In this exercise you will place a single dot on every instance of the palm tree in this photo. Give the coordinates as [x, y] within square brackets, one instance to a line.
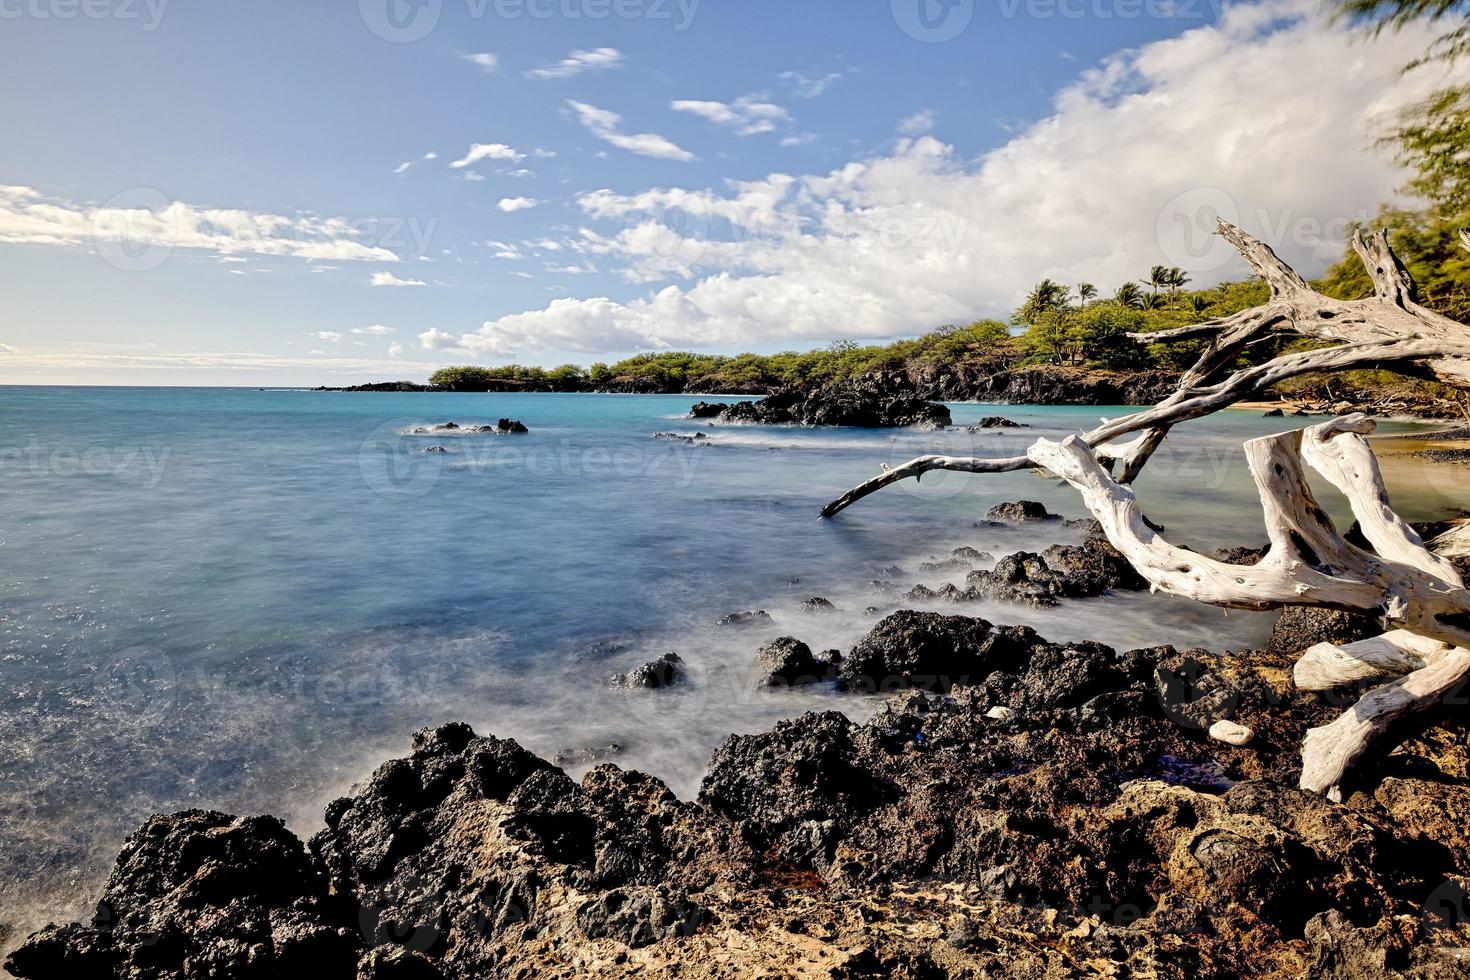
[1198, 304]
[1086, 292]
[1152, 301]
[1157, 276]
[1045, 297]
[1177, 279]
[1129, 294]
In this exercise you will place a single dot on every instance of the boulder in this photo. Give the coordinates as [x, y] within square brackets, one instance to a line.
[666, 671]
[788, 662]
[1019, 512]
[745, 620]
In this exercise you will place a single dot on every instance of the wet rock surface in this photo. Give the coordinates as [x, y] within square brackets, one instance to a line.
[1041, 810]
[746, 620]
[1019, 512]
[666, 671]
[866, 402]
[1299, 627]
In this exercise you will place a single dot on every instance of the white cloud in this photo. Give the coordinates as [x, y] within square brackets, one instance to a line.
[402, 167]
[806, 85]
[918, 124]
[328, 335]
[389, 279]
[509, 204]
[580, 62]
[483, 60]
[604, 125]
[376, 330]
[28, 217]
[395, 350]
[487, 151]
[747, 115]
[473, 177]
[435, 339]
[1098, 191]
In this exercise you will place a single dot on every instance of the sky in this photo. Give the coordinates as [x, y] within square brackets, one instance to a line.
[283, 193]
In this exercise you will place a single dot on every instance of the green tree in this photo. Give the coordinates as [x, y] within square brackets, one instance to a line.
[1129, 294]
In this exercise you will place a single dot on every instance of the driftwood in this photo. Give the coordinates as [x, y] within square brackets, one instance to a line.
[1425, 652]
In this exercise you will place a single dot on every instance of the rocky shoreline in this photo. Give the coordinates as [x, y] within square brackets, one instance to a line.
[1016, 807]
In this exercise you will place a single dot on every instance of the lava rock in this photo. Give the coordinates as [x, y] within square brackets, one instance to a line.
[666, 671]
[1019, 512]
[1299, 627]
[816, 606]
[788, 662]
[745, 620]
[867, 402]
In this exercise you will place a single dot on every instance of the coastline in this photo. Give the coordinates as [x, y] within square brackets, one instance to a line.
[1017, 805]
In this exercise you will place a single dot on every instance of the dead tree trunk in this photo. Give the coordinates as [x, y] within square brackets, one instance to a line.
[1420, 596]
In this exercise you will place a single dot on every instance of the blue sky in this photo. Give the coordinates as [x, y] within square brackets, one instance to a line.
[205, 193]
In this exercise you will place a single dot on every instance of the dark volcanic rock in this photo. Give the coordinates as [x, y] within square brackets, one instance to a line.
[698, 437]
[1062, 814]
[1299, 627]
[639, 916]
[743, 620]
[198, 894]
[930, 651]
[788, 662]
[866, 402]
[816, 606]
[996, 422]
[666, 671]
[1019, 512]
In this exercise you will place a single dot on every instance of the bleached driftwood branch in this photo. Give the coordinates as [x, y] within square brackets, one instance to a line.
[1389, 327]
[1309, 564]
[1419, 595]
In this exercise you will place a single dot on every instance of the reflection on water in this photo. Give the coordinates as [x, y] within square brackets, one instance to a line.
[245, 600]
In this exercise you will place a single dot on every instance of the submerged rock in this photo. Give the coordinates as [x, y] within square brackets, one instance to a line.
[816, 606]
[744, 620]
[996, 422]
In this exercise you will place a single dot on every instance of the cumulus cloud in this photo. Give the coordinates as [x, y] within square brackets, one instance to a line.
[1127, 172]
[509, 204]
[386, 278]
[487, 151]
[579, 63]
[746, 116]
[28, 217]
[376, 330]
[435, 339]
[605, 126]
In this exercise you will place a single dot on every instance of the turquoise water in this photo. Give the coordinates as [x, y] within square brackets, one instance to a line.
[245, 599]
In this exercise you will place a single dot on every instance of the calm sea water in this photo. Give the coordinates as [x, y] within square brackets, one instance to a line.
[246, 599]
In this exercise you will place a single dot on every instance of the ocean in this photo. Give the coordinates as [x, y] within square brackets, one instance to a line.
[246, 599]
